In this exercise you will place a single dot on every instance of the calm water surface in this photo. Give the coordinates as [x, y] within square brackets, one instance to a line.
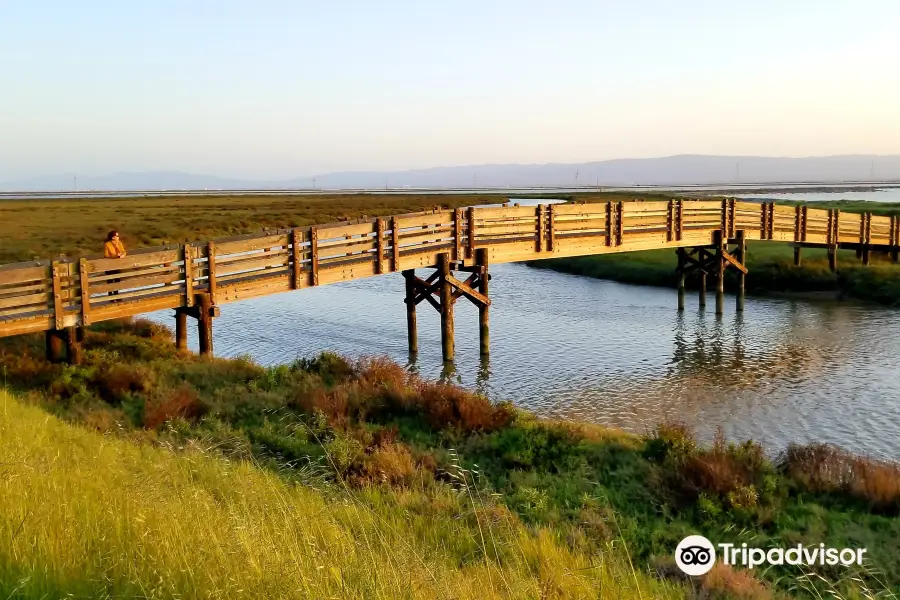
[883, 195]
[567, 346]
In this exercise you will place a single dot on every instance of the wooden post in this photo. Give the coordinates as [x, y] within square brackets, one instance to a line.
[57, 268]
[211, 270]
[412, 334]
[551, 227]
[446, 307]
[188, 275]
[295, 259]
[541, 228]
[79, 334]
[395, 245]
[702, 292]
[470, 235]
[73, 347]
[719, 237]
[742, 277]
[379, 246]
[54, 346]
[681, 278]
[180, 329]
[458, 253]
[203, 303]
[484, 332]
[832, 258]
[313, 256]
[85, 293]
[797, 256]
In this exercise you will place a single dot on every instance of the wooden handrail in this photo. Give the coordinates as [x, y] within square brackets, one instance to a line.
[43, 295]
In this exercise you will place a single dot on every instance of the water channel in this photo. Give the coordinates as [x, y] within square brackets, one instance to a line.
[785, 370]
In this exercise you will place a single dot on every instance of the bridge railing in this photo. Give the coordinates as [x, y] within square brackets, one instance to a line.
[54, 294]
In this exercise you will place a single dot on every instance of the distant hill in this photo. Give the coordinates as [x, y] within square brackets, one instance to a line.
[670, 170]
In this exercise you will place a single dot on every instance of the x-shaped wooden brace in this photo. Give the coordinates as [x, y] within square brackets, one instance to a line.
[429, 289]
[706, 260]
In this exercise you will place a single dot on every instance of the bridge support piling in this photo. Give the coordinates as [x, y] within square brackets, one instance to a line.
[180, 329]
[73, 346]
[719, 238]
[702, 292]
[204, 306]
[797, 256]
[412, 334]
[742, 277]
[55, 350]
[832, 258]
[446, 291]
[681, 277]
[865, 255]
[484, 330]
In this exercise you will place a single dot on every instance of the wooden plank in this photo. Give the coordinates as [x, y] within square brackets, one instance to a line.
[156, 291]
[243, 291]
[594, 208]
[25, 274]
[133, 261]
[434, 219]
[504, 212]
[129, 309]
[336, 230]
[174, 270]
[260, 242]
[57, 294]
[358, 246]
[211, 271]
[18, 290]
[314, 256]
[27, 300]
[259, 275]
[468, 291]
[188, 259]
[734, 262]
[379, 246]
[136, 283]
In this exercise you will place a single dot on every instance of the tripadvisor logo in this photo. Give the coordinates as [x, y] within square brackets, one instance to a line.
[696, 555]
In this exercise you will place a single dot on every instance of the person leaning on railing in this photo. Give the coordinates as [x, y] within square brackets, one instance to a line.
[113, 248]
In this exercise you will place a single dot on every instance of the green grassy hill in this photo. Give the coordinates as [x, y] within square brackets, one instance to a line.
[94, 516]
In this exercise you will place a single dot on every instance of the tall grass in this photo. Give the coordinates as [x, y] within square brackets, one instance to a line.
[96, 516]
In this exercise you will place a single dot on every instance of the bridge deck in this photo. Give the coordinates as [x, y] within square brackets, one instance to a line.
[44, 295]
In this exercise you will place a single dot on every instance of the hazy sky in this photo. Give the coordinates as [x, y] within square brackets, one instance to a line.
[277, 88]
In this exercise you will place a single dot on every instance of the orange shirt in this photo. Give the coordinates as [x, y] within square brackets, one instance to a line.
[113, 248]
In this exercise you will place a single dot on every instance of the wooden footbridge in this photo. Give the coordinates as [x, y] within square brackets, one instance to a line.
[62, 296]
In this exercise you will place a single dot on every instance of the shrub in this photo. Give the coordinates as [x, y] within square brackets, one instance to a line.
[331, 367]
[114, 382]
[392, 463]
[670, 441]
[182, 401]
[825, 468]
[725, 583]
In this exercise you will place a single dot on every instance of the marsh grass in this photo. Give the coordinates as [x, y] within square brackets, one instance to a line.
[91, 516]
